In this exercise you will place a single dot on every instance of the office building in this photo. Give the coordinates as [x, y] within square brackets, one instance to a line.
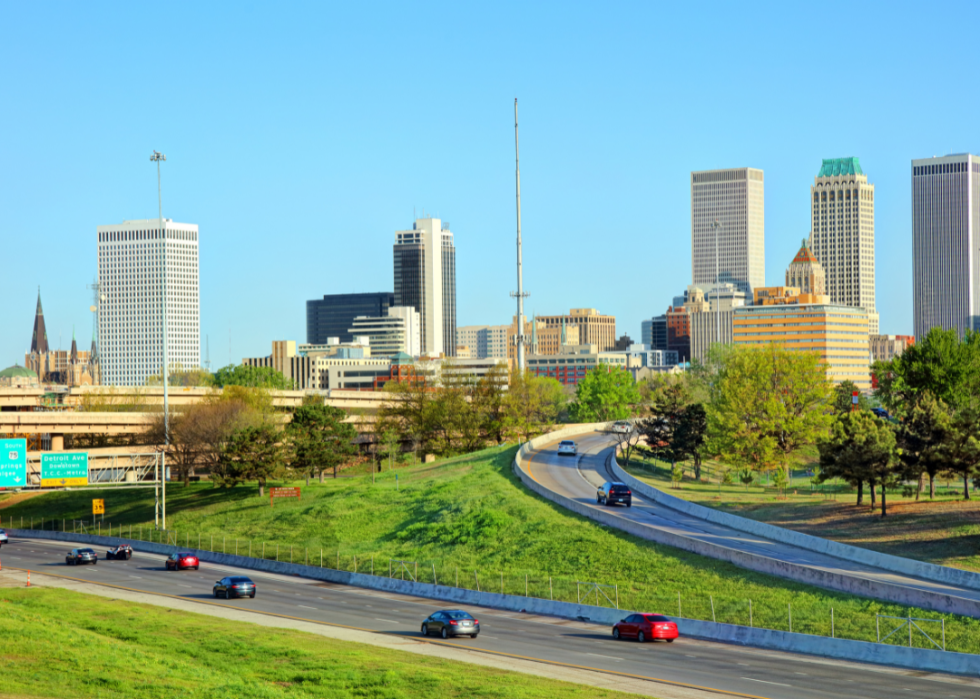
[710, 316]
[886, 347]
[679, 332]
[945, 243]
[399, 331]
[541, 338]
[425, 279]
[843, 233]
[484, 340]
[735, 199]
[334, 314]
[131, 280]
[573, 362]
[593, 327]
[654, 332]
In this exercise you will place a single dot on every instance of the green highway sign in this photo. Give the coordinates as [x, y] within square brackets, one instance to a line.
[13, 463]
[61, 469]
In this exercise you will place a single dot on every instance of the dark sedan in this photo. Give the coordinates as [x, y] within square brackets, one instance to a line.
[234, 586]
[79, 556]
[182, 561]
[451, 623]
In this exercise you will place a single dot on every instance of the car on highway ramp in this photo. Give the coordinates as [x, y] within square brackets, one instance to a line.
[567, 446]
[646, 627]
[123, 552]
[234, 586]
[3, 537]
[622, 427]
[81, 556]
[611, 492]
[182, 561]
[451, 622]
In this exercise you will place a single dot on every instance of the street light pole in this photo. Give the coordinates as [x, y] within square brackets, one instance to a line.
[158, 158]
[717, 226]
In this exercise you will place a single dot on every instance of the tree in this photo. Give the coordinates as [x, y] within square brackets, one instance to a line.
[668, 400]
[860, 448]
[411, 408]
[921, 438]
[691, 434]
[767, 402]
[961, 448]
[489, 400]
[459, 419]
[251, 454]
[844, 398]
[182, 377]
[251, 377]
[626, 442]
[606, 393]
[321, 439]
[532, 402]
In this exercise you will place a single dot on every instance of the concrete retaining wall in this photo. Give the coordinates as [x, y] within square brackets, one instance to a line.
[895, 564]
[859, 651]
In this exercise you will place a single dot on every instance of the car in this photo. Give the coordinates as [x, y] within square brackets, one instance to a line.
[234, 586]
[646, 627]
[622, 427]
[123, 552]
[3, 537]
[451, 622]
[182, 561]
[567, 446]
[611, 492]
[79, 556]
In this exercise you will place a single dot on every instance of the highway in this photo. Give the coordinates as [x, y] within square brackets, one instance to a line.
[728, 670]
[577, 478]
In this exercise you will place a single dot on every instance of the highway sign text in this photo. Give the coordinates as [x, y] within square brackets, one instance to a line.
[63, 469]
[13, 463]
[282, 493]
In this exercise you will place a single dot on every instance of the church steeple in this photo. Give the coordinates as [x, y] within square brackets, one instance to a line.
[74, 347]
[39, 343]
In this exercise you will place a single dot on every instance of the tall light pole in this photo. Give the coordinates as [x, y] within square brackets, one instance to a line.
[158, 158]
[717, 226]
[520, 295]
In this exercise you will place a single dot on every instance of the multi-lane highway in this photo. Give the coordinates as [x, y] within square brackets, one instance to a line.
[577, 478]
[722, 668]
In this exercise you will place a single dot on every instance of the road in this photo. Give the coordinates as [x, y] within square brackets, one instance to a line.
[578, 477]
[722, 668]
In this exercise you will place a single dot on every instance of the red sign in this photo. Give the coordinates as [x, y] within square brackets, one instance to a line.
[282, 493]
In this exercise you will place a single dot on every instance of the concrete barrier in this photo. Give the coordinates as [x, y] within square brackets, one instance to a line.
[859, 651]
[854, 554]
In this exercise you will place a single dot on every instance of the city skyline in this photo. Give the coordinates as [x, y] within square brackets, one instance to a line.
[617, 200]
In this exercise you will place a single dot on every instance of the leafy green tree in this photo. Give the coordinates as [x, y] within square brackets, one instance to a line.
[921, 439]
[532, 403]
[321, 439]
[691, 435]
[254, 453]
[860, 449]
[412, 409]
[606, 393]
[489, 401]
[251, 377]
[667, 402]
[844, 398]
[767, 402]
[961, 448]
[459, 419]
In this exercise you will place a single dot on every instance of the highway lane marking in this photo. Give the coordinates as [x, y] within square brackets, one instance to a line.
[475, 649]
[599, 655]
[780, 684]
[305, 607]
[387, 621]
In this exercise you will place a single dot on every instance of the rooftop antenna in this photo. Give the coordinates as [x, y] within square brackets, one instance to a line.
[520, 295]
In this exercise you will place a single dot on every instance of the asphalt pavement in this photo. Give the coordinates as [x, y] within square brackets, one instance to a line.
[719, 667]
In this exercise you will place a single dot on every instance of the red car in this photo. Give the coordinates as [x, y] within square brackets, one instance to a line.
[646, 627]
[182, 561]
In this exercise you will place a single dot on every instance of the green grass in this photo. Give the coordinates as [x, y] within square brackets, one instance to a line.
[65, 644]
[471, 517]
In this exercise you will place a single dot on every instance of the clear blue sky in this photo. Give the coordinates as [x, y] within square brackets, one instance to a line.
[300, 137]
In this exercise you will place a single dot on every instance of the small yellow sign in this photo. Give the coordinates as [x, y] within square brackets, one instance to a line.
[98, 507]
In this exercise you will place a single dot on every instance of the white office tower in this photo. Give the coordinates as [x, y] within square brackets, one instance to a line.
[425, 279]
[946, 243]
[735, 199]
[399, 331]
[484, 340]
[843, 234]
[131, 306]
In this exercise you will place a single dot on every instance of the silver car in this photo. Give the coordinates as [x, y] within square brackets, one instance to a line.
[3, 538]
[567, 447]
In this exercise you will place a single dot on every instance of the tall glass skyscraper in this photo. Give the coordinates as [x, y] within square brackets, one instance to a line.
[425, 279]
[334, 314]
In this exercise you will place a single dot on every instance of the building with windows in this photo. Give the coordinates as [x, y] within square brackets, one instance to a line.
[333, 315]
[886, 347]
[843, 234]
[654, 332]
[399, 331]
[484, 340]
[945, 243]
[425, 279]
[131, 287]
[541, 338]
[592, 327]
[734, 198]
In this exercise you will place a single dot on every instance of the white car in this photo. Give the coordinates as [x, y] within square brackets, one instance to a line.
[567, 446]
[622, 427]
[3, 538]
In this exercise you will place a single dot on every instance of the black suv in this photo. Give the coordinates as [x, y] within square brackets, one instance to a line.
[612, 492]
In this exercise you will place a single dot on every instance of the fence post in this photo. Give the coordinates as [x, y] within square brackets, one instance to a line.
[678, 603]
[416, 571]
[355, 562]
[878, 627]
[290, 553]
[277, 552]
[236, 547]
[338, 558]
[750, 614]
[249, 548]
[617, 595]
[477, 580]
[525, 584]
[321, 557]
[372, 565]
[434, 581]
[223, 543]
[501, 583]
[306, 549]
[789, 611]
[944, 632]
[211, 548]
[832, 623]
[457, 576]
[199, 540]
[578, 592]
[389, 567]
[910, 629]
[551, 590]
[711, 597]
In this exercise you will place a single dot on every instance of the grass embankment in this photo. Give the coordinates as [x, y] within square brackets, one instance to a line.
[945, 531]
[58, 643]
[473, 522]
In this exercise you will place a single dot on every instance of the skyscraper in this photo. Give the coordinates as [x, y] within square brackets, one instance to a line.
[131, 307]
[843, 237]
[945, 240]
[332, 315]
[735, 198]
[425, 279]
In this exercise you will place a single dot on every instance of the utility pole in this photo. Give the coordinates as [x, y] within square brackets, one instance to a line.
[520, 295]
[158, 158]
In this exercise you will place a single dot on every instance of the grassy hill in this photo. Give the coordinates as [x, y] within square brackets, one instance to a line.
[470, 519]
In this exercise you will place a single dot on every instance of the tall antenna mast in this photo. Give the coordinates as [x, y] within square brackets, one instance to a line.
[520, 295]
